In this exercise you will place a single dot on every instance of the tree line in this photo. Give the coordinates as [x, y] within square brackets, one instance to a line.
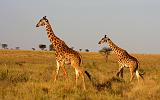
[104, 51]
[51, 48]
[41, 46]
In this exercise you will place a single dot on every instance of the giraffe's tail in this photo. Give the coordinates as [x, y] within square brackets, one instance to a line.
[89, 76]
[93, 80]
[105, 85]
[139, 74]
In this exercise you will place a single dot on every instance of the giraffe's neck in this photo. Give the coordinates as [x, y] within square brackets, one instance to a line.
[57, 43]
[115, 48]
[50, 32]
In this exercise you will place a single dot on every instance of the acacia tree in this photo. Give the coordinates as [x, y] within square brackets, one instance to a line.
[4, 46]
[42, 46]
[87, 50]
[106, 52]
[51, 48]
[80, 49]
[17, 48]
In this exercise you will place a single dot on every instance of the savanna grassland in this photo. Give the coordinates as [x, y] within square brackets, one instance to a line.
[28, 75]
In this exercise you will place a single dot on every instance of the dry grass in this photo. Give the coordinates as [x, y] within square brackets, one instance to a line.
[28, 75]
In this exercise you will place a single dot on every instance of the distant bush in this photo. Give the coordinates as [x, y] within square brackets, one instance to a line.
[87, 50]
[4, 46]
[42, 46]
[51, 48]
[13, 77]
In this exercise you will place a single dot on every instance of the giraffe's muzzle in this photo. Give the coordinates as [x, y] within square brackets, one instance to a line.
[37, 25]
[99, 42]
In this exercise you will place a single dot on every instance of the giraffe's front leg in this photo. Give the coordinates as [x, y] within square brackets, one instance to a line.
[120, 71]
[57, 70]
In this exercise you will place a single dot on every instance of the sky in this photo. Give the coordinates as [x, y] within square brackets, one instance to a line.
[133, 25]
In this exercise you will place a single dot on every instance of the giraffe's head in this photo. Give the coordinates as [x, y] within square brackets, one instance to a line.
[104, 40]
[42, 22]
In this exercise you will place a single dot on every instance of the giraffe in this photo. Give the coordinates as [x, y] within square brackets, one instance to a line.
[63, 53]
[124, 59]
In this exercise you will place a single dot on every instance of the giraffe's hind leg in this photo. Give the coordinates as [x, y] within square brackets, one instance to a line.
[80, 73]
[121, 72]
[77, 75]
[132, 74]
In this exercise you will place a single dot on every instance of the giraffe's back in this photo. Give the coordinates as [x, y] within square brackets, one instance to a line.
[128, 61]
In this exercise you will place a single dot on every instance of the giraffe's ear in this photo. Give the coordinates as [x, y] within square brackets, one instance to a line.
[44, 17]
